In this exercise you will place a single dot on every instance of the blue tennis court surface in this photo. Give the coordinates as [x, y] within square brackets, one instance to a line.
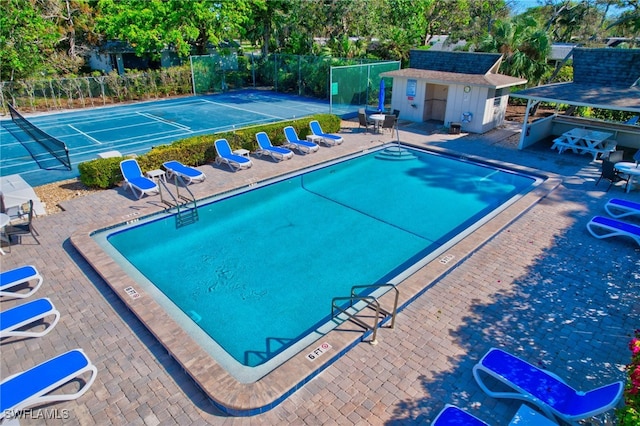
[135, 128]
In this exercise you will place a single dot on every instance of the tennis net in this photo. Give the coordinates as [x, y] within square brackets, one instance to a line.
[56, 147]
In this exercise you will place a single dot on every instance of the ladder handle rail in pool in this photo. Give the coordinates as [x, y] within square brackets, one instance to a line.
[394, 312]
[369, 300]
[187, 214]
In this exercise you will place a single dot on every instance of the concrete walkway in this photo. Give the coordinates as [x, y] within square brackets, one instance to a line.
[542, 288]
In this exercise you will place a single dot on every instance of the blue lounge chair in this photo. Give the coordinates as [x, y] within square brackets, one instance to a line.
[14, 319]
[18, 276]
[622, 208]
[134, 179]
[293, 142]
[543, 389]
[633, 120]
[31, 387]
[327, 138]
[186, 173]
[226, 156]
[266, 148]
[605, 227]
[454, 416]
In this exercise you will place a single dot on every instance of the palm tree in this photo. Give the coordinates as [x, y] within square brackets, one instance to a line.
[524, 46]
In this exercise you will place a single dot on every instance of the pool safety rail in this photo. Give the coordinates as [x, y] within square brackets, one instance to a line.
[186, 206]
[371, 303]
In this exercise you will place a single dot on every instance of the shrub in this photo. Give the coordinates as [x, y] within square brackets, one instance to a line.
[629, 415]
[105, 173]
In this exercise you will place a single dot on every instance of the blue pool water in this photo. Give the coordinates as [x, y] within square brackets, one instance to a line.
[258, 271]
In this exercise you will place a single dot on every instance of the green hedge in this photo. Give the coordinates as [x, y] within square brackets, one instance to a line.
[105, 173]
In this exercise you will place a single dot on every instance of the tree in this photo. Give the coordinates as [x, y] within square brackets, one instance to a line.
[524, 46]
[151, 26]
[27, 39]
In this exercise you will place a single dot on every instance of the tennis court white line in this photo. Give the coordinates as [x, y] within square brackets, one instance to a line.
[162, 120]
[241, 109]
[85, 135]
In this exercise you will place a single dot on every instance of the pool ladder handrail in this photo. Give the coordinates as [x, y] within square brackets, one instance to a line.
[393, 287]
[369, 301]
[191, 212]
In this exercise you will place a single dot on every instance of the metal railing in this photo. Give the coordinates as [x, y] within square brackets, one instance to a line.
[370, 302]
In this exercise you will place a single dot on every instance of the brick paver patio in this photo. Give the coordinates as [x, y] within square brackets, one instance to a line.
[542, 288]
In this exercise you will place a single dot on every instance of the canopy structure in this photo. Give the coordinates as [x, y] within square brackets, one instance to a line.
[602, 78]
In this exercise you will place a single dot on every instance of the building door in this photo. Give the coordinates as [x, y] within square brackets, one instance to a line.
[435, 102]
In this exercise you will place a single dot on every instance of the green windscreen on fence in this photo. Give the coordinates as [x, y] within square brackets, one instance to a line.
[212, 73]
[358, 86]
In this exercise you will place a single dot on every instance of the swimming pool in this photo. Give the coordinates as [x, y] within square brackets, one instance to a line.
[366, 220]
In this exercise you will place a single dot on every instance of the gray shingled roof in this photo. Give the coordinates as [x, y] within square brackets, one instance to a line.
[454, 62]
[456, 68]
[496, 81]
[602, 78]
[608, 67]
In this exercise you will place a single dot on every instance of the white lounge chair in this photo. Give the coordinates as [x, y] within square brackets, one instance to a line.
[133, 178]
[454, 416]
[327, 138]
[16, 277]
[226, 156]
[33, 386]
[293, 142]
[14, 320]
[543, 389]
[266, 148]
[622, 208]
[186, 173]
[606, 227]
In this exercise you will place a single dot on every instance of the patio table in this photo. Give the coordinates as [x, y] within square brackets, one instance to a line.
[631, 169]
[585, 141]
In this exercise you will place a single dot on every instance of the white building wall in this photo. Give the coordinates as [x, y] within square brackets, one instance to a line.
[466, 108]
[477, 110]
[410, 109]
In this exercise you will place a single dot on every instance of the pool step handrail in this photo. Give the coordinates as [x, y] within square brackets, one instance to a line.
[185, 214]
[191, 213]
[351, 313]
[394, 311]
[370, 302]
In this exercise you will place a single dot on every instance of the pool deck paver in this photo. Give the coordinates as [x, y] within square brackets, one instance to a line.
[542, 288]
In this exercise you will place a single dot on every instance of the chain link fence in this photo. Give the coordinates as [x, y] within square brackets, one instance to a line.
[294, 74]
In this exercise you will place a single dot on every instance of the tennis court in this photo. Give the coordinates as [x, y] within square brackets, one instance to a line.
[135, 128]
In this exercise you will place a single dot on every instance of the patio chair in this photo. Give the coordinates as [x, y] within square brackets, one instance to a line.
[610, 173]
[188, 174]
[390, 122]
[13, 322]
[451, 415]
[328, 138]
[605, 227]
[265, 147]
[294, 142]
[615, 156]
[543, 389]
[618, 208]
[23, 226]
[139, 184]
[633, 120]
[363, 121]
[18, 277]
[226, 156]
[34, 386]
